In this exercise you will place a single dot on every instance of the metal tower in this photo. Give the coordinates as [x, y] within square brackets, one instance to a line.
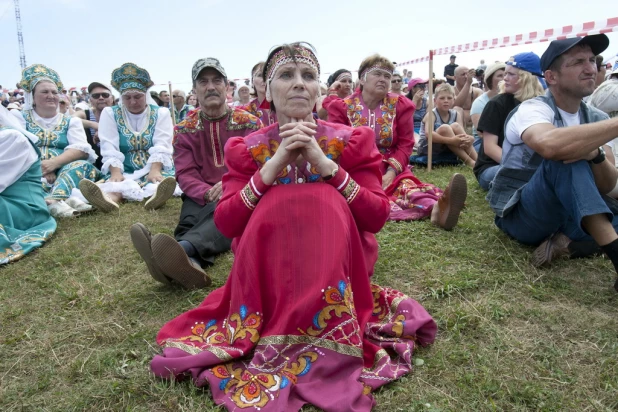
[20, 36]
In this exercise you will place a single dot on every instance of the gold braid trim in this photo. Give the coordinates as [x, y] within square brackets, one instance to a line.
[351, 190]
[248, 197]
[193, 350]
[310, 340]
[396, 165]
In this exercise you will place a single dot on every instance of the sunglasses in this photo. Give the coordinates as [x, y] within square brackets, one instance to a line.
[99, 95]
[396, 81]
[63, 103]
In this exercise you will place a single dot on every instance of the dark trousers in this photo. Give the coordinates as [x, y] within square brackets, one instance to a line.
[556, 199]
[197, 226]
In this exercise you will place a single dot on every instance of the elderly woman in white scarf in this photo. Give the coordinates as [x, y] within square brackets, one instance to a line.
[605, 98]
[66, 157]
[136, 145]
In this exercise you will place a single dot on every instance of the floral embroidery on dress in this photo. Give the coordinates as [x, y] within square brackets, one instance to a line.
[355, 112]
[51, 143]
[340, 304]
[386, 123]
[256, 390]
[238, 326]
[190, 124]
[241, 119]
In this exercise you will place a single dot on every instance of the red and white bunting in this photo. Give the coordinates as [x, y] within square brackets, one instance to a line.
[564, 32]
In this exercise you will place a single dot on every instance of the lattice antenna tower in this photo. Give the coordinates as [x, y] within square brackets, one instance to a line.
[20, 36]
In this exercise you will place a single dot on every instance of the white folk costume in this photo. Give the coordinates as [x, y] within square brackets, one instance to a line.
[133, 142]
[54, 136]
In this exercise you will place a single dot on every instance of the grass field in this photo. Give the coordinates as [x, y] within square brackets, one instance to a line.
[78, 320]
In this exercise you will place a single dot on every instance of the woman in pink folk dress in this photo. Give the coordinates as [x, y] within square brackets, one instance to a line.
[298, 321]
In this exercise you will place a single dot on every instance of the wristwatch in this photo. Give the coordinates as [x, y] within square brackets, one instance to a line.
[600, 157]
[330, 176]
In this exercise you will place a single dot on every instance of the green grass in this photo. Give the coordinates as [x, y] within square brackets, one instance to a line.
[78, 320]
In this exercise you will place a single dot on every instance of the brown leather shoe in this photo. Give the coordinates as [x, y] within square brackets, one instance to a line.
[175, 263]
[553, 248]
[141, 238]
[451, 203]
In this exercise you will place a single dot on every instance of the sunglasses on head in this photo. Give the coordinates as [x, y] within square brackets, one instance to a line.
[99, 95]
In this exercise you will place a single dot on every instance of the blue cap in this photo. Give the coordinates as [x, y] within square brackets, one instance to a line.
[597, 42]
[529, 62]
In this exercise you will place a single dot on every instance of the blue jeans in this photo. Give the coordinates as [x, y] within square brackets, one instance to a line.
[477, 144]
[487, 176]
[557, 198]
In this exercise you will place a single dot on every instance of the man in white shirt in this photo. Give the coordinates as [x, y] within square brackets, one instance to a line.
[556, 165]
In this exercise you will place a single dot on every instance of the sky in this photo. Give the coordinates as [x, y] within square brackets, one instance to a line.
[85, 40]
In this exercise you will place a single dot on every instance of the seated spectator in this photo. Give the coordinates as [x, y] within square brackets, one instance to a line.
[198, 156]
[154, 95]
[340, 84]
[521, 83]
[65, 106]
[417, 92]
[231, 89]
[601, 70]
[605, 98]
[66, 156]
[180, 107]
[259, 106]
[100, 96]
[465, 94]
[556, 167]
[164, 97]
[298, 321]
[493, 77]
[390, 116]
[243, 95]
[136, 144]
[396, 83]
[25, 222]
[450, 143]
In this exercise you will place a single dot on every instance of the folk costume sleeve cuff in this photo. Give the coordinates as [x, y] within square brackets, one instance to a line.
[344, 185]
[253, 191]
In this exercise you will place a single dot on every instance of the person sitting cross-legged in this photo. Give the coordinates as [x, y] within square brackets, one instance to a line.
[556, 166]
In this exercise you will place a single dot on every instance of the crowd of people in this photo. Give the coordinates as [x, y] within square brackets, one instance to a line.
[273, 168]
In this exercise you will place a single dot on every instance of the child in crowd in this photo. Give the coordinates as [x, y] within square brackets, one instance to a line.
[450, 140]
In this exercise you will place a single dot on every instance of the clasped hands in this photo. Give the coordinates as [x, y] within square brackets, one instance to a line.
[298, 138]
[464, 141]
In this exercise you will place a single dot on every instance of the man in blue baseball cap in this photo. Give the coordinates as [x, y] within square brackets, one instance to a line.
[556, 165]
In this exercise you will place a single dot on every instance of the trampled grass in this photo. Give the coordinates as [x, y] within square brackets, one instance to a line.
[78, 320]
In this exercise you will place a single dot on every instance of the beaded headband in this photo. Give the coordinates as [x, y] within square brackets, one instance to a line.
[344, 75]
[303, 55]
[374, 68]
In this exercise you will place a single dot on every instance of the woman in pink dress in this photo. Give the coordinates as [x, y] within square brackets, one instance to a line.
[391, 118]
[259, 106]
[298, 321]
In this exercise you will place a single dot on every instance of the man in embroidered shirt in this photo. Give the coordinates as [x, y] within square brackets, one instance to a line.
[198, 157]
[555, 150]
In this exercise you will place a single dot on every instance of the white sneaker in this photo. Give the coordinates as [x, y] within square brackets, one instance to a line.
[78, 205]
[62, 210]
